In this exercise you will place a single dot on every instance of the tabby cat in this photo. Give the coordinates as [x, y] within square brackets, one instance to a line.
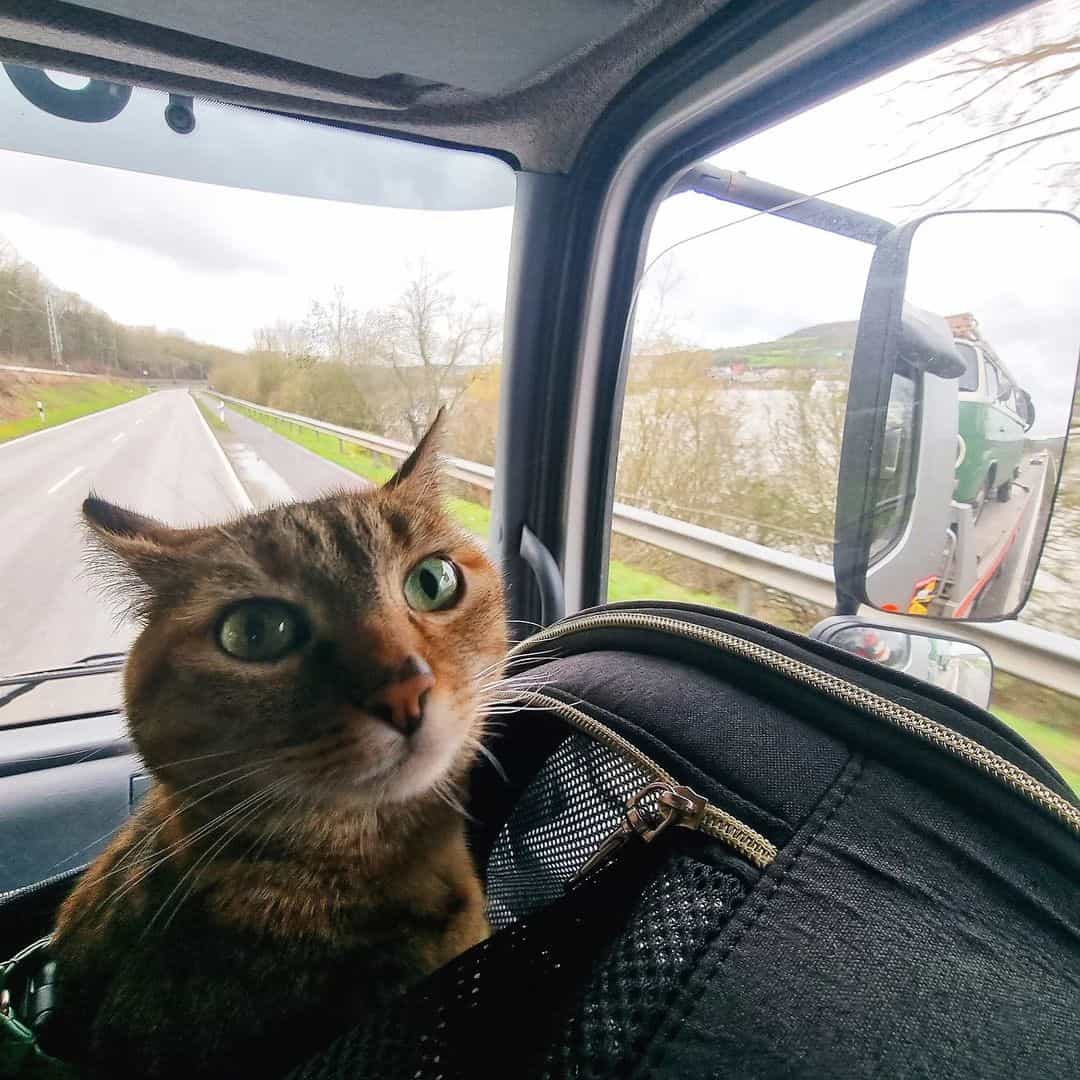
[308, 691]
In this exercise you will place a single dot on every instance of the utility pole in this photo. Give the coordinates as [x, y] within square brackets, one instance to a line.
[56, 343]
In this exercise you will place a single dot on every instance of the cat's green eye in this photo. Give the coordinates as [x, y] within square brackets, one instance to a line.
[261, 630]
[432, 585]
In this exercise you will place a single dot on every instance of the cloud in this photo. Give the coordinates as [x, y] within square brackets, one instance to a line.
[178, 221]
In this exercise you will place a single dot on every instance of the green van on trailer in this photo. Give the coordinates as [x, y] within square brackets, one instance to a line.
[995, 414]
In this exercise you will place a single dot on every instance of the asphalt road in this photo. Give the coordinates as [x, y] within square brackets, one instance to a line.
[275, 469]
[1032, 500]
[156, 455]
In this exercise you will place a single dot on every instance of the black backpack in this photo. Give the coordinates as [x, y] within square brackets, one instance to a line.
[796, 863]
[717, 849]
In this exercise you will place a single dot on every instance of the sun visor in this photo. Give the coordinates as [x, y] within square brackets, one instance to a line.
[237, 147]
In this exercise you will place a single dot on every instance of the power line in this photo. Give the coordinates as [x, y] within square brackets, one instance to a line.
[877, 174]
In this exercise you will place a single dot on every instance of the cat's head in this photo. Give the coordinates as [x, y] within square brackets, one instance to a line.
[337, 649]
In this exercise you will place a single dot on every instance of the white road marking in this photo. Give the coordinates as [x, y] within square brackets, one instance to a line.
[243, 499]
[117, 438]
[139, 421]
[20, 439]
[249, 465]
[60, 483]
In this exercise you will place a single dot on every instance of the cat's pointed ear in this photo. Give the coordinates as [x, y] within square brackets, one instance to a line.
[130, 547]
[421, 468]
[115, 525]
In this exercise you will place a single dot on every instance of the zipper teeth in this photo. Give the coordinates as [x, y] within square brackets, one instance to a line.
[968, 750]
[39, 886]
[716, 822]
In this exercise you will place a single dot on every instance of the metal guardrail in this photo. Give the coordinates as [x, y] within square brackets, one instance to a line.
[124, 375]
[1042, 656]
[460, 469]
[48, 371]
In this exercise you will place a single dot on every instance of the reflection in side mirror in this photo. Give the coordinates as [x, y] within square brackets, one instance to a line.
[962, 388]
[952, 664]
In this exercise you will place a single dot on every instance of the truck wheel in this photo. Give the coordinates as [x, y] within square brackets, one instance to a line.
[1004, 491]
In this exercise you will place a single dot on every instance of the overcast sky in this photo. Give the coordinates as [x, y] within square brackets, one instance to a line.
[217, 261]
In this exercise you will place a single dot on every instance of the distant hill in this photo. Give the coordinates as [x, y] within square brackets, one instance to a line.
[92, 341]
[823, 345]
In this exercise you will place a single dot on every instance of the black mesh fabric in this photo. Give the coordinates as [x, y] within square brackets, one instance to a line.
[641, 979]
[573, 803]
[572, 984]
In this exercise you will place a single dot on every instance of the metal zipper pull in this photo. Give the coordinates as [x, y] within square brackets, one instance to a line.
[675, 805]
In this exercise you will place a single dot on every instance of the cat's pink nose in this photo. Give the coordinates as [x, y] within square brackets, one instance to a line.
[400, 700]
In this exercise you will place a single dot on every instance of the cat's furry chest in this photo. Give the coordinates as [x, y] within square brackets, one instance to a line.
[313, 942]
[342, 906]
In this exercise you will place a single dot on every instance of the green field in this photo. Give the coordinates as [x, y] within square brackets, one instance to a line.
[1059, 746]
[63, 401]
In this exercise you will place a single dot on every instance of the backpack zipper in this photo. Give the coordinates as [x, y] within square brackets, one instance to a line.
[939, 735]
[679, 806]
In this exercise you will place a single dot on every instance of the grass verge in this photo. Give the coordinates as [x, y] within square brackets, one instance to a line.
[1059, 746]
[210, 415]
[63, 402]
[625, 582]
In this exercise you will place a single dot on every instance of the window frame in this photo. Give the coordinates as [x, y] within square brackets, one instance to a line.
[746, 79]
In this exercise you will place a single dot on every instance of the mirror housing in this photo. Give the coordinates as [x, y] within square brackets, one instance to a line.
[950, 663]
[939, 427]
[925, 343]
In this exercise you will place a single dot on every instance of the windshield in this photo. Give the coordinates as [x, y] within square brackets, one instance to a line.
[969, 381]
[158, 287]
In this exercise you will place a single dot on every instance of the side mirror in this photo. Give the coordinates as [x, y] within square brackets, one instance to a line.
[1025, 408]
[962, 387]
[950, 663]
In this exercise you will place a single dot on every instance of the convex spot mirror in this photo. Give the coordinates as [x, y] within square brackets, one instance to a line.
[958, 666]
[962, 390]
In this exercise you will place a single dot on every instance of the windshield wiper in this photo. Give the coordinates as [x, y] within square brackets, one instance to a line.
[100, 664]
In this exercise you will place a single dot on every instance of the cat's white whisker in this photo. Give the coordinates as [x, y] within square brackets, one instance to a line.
[494, 761]
[218, 821]
[132, 855]
[195, 870]
[445, 791]
[142, 871]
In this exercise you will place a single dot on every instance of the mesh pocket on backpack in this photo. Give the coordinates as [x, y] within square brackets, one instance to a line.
[577, 988]
[572, 804]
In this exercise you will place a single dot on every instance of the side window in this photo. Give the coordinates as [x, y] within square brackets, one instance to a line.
[897, 465]
[745, 323]
[1005, 389]
[969, 381]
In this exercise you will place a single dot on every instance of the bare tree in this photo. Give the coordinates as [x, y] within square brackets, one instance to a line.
[333, 325]
[654, 319]
[1015, 72]
[433, 339]
[284, 337]
[398, 363]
